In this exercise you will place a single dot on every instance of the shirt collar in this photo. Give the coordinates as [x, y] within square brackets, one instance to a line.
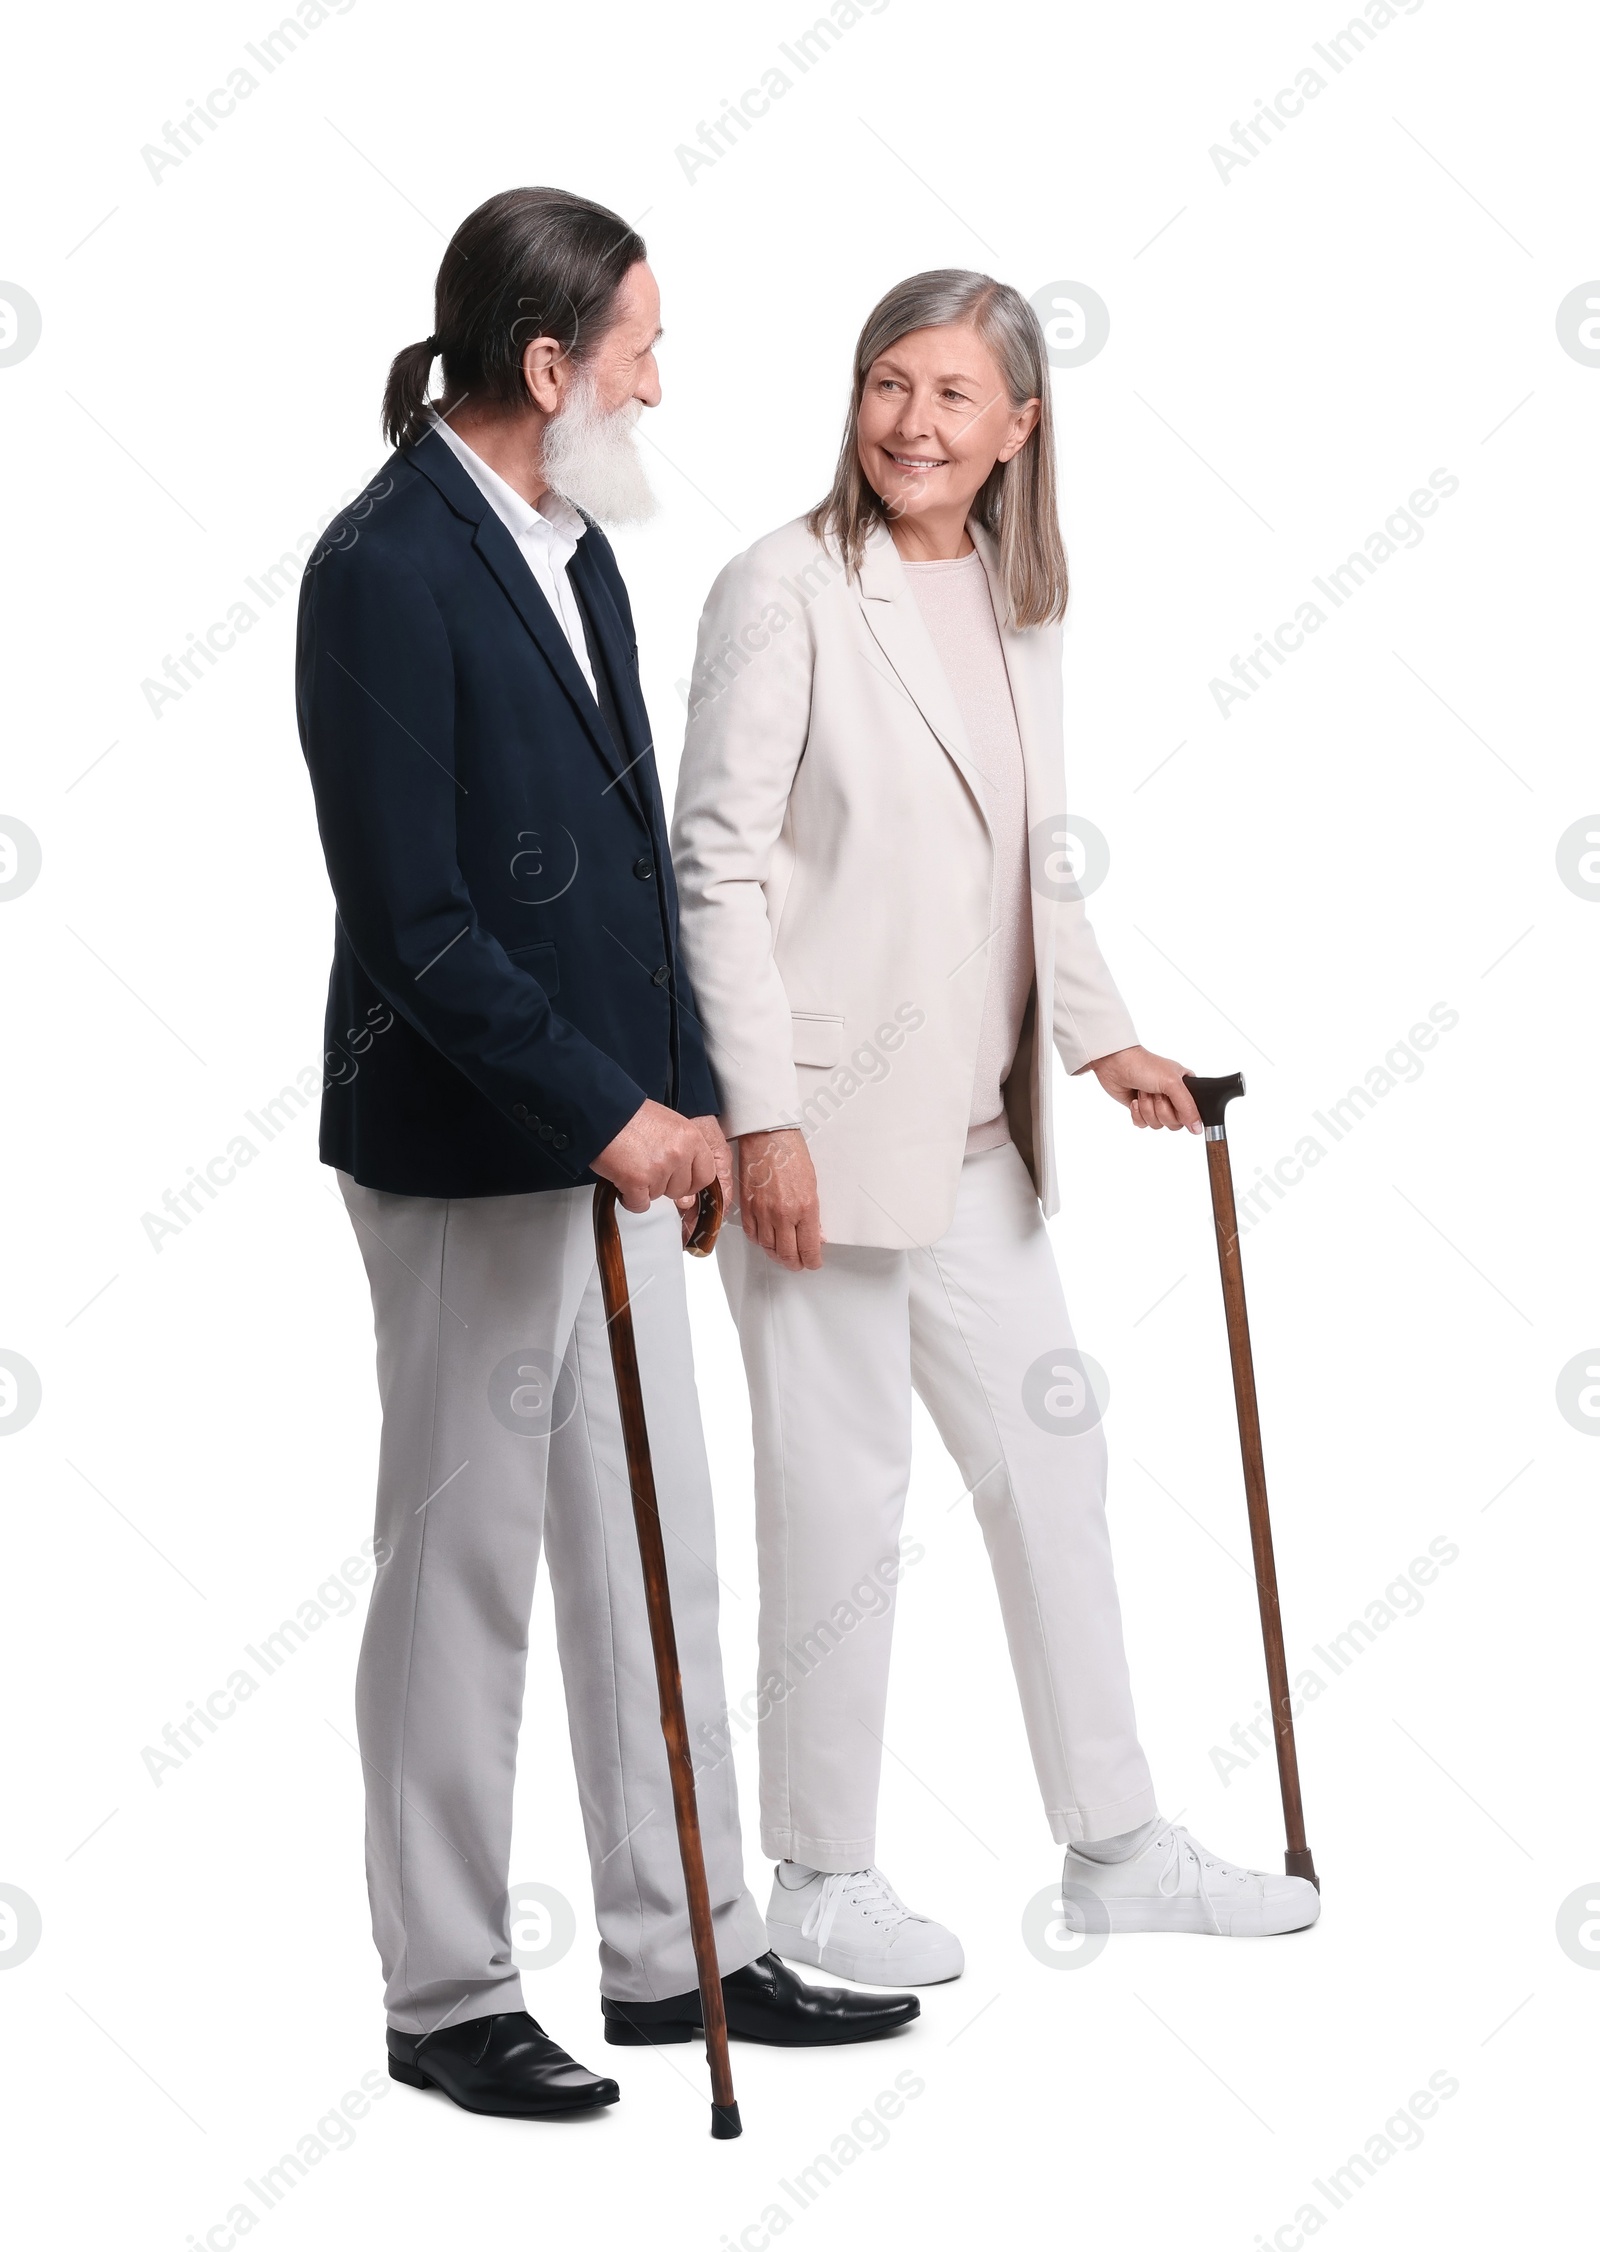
[554, 521]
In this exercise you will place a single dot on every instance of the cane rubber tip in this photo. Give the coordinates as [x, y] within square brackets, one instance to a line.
[1301, 1865]
[725, 2122]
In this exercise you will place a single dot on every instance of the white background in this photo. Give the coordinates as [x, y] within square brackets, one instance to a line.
[1292, 351]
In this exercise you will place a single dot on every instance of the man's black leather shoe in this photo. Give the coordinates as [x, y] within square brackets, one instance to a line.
[506, 2066]
[764, 2002]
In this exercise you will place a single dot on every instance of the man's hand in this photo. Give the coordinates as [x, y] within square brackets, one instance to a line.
[1149, 1087]
[722, 1158]
[660, 1153]
[778, 1197]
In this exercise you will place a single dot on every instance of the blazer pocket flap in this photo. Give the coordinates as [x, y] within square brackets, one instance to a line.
[818, 1039]
[540, 962]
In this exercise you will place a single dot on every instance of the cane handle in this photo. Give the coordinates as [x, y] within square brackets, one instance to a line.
[707, 1221]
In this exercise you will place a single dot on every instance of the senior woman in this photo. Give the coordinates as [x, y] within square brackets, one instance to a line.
[884, 952]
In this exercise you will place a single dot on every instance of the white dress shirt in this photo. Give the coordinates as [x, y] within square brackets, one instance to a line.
[547, 539]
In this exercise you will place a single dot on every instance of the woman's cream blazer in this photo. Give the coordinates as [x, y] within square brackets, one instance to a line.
[835, 873]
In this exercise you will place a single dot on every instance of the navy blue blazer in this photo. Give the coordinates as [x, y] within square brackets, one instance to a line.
[507, 988]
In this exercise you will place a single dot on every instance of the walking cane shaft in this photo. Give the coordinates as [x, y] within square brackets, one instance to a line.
[1212, 1097]
[663, 1641]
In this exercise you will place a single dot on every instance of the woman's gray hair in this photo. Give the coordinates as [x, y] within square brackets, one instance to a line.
[1017, 504]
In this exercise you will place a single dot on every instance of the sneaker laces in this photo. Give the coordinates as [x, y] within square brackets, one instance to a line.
[1182, 1851]
[865, 1889]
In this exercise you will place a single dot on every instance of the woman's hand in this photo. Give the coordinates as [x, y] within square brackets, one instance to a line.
[778, 1197]
[1149, 1087]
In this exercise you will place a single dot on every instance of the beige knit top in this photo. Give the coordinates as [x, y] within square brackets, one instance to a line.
[953, 598]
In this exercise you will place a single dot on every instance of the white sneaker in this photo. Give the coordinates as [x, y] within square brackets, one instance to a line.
[855, 1924]
[1174, 1884]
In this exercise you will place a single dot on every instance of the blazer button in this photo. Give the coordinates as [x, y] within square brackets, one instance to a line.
[660, 976]
[644, 868]
[519, 1110]
[545, 1132]
[560, 1141]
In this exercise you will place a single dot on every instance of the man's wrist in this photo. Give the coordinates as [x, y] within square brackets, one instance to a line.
[620, 1128]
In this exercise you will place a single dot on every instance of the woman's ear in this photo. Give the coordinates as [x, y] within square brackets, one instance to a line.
[1023, 425]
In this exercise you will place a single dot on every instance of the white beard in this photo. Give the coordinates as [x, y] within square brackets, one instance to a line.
[592, 458]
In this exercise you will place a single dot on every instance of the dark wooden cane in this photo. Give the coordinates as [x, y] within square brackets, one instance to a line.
[1212, 1097]
[663, 1641]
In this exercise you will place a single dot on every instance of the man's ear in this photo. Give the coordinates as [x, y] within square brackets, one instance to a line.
[545, 373]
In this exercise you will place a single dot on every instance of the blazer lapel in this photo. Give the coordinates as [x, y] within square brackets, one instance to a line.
[499, 551]
[1032, 667]
[895, 623]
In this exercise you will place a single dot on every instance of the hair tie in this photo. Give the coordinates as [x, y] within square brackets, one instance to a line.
[433, 346]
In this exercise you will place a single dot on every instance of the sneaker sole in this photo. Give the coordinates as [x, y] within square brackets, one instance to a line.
[1189, 1916]
[929, 1971]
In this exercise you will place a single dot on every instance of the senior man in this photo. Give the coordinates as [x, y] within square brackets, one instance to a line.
[486, 792]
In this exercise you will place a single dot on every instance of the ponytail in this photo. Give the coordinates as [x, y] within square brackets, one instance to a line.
[406, 413]
[530, 262]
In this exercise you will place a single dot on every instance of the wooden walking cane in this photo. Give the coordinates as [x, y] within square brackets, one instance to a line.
[1212, 1097]
[663, 1641]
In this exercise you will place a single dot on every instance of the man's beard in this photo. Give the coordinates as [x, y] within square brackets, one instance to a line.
[591, 457]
